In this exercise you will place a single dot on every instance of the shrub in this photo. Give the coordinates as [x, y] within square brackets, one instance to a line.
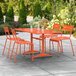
[51, 23]
[25, 26]
[10, 14]
[35, 21]
[74, 30]
[15, 24]
[1, 16]
[67, 17]
[38, 21]
[37, 18]
[2, 30]
[64, 13]
[37, 9]
[22, 13]
[44, 22]
[74, 34]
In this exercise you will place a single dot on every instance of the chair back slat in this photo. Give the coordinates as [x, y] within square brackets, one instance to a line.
[56, 26]
[68, 28]
[13, 33]
[6, 30]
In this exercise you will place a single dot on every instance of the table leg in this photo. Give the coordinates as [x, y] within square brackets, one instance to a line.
[32, 45]
[42, 43]
[30, 51]
[31, 40]
[43, 52]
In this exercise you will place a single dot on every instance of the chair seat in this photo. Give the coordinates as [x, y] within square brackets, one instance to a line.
[51, 35]
[57, 39]
[17, 38]
[23, 42]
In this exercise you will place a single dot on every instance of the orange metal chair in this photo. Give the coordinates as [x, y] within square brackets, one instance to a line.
[57, 39]
[21, 41]
[8, 37]
[55, 26]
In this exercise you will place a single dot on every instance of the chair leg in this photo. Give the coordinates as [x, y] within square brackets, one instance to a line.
[50, 46]
[9, 49]
[61, 46]
[24, 49]
[4, 46]
[20, 49]
[72, 47]
[58, 48]
[12, 50]
[45, 45]
[29, 50]
[39, 44]
[33, 52]
[16, 53]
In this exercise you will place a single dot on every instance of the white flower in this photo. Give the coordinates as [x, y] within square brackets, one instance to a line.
[49, 26]
[59, 14]
[69, 19]
[52, 20]
[53, 16]
[52, 24]
[48, 23]
[64, 20]
[56, 20]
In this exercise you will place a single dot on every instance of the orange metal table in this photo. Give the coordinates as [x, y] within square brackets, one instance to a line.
[35, 31]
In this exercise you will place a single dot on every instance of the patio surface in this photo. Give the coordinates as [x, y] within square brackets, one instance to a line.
[64, 65]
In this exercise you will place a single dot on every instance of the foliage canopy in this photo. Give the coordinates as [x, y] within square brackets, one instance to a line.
[10, 14]
[22, 12]
[37, 9]
[1, 16]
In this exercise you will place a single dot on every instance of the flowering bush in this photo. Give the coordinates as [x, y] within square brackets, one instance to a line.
[51, 23]
[38, 21]
[15, 24]
[64, 13]
[67, 17]
[35, 21]
[64, 17]
[44, 22]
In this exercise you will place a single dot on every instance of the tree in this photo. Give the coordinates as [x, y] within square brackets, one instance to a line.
[22, 13]
[10, 14]
[1, 15]
[47, 10]
[29, 7]
[37, 9]
[16, 6]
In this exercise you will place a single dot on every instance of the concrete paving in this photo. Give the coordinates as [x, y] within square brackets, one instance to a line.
[64, 65]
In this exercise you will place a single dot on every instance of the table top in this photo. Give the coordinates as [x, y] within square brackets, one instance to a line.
[35, 31]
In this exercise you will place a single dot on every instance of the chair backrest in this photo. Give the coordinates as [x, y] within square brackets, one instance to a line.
[13, 33]
[68, 28]
[56, 26]
[6, 30]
